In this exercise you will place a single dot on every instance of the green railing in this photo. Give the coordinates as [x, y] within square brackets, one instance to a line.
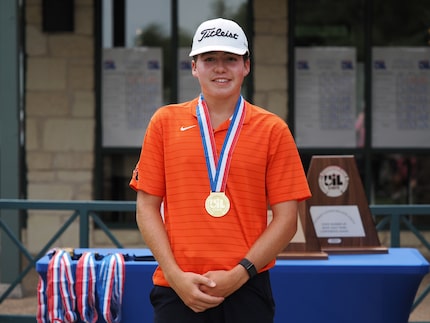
[392, 216]
[82, 210]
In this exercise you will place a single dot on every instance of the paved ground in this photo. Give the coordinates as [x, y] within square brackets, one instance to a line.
[28, 305]
[422, 312]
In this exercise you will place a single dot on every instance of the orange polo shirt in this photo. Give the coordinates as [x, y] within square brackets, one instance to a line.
[265, 168]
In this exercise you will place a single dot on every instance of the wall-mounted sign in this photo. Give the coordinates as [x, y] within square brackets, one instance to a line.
[401, 97]
[131, 92]
[325, 97]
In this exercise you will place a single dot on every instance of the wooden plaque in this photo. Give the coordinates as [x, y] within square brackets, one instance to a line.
[338, 208]
[304, 244]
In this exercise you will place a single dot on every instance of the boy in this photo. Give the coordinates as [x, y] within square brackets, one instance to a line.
[213, 165]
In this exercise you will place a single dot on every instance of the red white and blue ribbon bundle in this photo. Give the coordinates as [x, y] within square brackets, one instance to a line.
[110, 287]
[86, 287]
[60, 290]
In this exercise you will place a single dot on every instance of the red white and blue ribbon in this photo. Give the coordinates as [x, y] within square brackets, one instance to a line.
[86, 287]
[218, 168]
[60, 292]
[42, 301]
[110, 286]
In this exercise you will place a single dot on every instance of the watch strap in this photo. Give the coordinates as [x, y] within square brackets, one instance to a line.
[249, 266]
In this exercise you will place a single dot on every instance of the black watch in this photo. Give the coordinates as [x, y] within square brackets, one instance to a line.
[249, 266]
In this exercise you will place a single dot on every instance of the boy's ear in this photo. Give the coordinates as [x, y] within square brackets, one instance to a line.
[193, 68]
[248, 67]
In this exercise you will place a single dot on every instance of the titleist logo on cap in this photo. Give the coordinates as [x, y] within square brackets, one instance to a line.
[213, 32]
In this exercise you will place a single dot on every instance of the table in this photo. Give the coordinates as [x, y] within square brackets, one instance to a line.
[373, 288]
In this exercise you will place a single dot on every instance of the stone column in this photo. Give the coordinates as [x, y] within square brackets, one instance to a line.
[60, 118]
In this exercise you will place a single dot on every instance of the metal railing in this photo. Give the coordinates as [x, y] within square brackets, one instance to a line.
[392, 216]
[84, 210]
[395, 216]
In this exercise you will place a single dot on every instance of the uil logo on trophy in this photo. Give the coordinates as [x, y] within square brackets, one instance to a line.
[333, 181]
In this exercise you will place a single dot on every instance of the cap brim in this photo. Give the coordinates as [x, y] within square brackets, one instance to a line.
[227, 49]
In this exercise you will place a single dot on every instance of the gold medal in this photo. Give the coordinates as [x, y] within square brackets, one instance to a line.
[217, 204]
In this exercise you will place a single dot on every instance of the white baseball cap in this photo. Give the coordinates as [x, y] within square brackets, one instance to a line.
[219, 35]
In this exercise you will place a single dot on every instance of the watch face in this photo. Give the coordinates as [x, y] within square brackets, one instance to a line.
[333, 181]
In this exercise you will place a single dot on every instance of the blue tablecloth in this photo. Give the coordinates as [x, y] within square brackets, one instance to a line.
[373, 288]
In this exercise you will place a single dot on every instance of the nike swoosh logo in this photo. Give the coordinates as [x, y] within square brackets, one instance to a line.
[186, 128]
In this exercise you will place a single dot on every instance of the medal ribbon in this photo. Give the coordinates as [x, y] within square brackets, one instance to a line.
[218, 168]
[42, 302]
[110, 287]
[60, 292]
[86, 287]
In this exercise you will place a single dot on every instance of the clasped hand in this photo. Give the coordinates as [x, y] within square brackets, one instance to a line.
[201, 292]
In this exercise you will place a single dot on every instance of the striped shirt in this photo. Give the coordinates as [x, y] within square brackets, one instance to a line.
[265, 169]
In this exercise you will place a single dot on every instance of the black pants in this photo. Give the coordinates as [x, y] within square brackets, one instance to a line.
[253, 302]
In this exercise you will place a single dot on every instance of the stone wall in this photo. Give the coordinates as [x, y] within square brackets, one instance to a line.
[60, 117]
[270, 56]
